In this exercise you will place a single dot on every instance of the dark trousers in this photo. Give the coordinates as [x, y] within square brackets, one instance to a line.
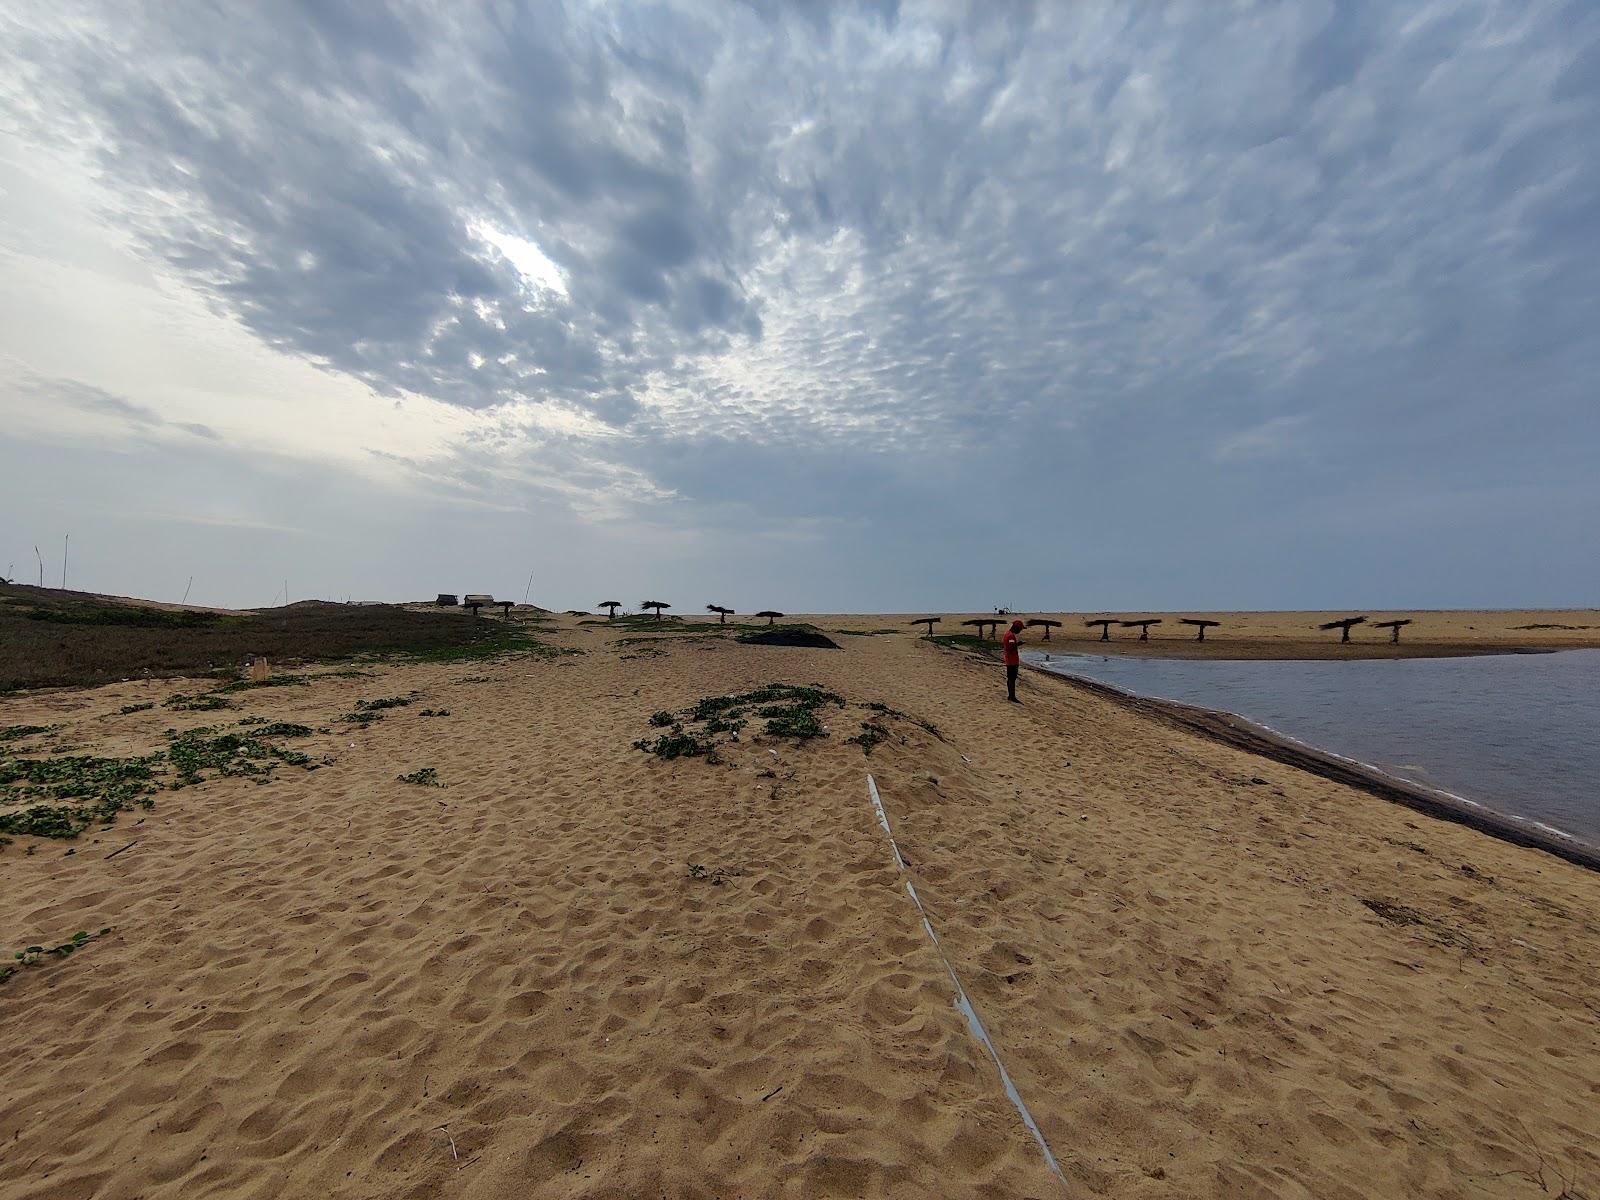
[1011, 681]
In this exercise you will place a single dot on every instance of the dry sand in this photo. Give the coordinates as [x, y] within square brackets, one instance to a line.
[1208, 973]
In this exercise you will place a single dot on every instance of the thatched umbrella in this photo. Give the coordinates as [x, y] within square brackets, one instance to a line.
[610, 606]
[722, 613]
[768, 614]
[1344, 625]
[1393, 627]
[1105, 627]
[1047, 623]
[983, 624]
[1200, 623]
[1144, 626]
[658, 605]
[930, 622]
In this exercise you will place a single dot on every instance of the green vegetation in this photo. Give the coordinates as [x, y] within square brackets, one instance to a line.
[966, 641]
[61, 796]
[788, 710]
[871, 734]
[133, 708]
[228, 754]
[50, 637]
[206, 702]
[283, 729]
[866, 632]
[12, 732]
[77, 789]
[129, 616]
[422, 777]
[434, 712]
[271, 681]
[384, 702]
[678, 745]
[29, 955]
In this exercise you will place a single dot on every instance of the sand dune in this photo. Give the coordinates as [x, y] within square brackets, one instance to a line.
[1208, 974]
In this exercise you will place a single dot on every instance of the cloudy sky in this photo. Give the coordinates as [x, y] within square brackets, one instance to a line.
[819, 307]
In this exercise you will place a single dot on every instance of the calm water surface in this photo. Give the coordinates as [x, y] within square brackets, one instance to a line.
[1518, 733]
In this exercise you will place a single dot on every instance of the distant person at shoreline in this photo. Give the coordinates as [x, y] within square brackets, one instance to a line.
[1013, 660]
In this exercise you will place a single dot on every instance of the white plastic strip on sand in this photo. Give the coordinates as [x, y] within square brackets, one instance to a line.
[963, 1002]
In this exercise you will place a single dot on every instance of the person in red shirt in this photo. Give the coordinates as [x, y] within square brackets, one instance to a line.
[1013, 660]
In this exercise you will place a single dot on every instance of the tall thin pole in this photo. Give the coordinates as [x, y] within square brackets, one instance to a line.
[40, 557]
[528, 591]
[66, 543]
[185, 599]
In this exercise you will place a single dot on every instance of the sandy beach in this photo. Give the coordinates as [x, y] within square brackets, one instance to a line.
[576, 969]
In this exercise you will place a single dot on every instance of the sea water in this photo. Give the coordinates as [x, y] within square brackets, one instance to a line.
[1517, 733]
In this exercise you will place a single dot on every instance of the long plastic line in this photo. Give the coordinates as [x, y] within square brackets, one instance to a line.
[962, 1002]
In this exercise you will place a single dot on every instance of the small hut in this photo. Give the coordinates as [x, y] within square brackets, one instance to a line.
[447, 600]
[475, 602]
[1199, 623]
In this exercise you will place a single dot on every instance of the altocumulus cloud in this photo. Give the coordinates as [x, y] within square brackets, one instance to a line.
[844, 263]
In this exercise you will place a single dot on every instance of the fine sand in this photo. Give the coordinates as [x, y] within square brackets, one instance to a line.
[1208, 973]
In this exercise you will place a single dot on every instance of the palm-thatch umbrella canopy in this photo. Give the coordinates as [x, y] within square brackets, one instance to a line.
[1105, 624]
[1144, 626]
[930, 622]
[984, 625]
[1200, 623]
[1343, 624]
[722, 613]
[1046, 622]
[768, 614]
[610, 606]
[1393, 627]
[658, 605]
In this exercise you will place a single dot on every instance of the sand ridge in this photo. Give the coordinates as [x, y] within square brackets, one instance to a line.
[1209, 974]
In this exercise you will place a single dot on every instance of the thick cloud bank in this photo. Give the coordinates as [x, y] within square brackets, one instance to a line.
[1328, 267]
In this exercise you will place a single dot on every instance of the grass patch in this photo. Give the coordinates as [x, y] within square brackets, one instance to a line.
[434, 712]
[50, 637]
[662, 719]
[133, 708]
[422, 777]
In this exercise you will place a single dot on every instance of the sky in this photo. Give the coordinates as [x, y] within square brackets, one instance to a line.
[815, 307]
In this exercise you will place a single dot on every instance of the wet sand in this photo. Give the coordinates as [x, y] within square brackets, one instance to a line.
[1209, 973]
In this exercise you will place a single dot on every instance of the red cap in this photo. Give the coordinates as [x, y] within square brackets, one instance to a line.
[1017, 624]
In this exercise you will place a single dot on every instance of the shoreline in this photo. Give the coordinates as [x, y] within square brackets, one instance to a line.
[1243, 734]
